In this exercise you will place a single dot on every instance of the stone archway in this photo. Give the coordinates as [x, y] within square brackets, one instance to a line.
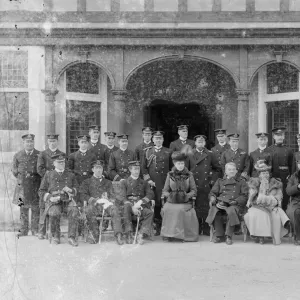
[183, 81]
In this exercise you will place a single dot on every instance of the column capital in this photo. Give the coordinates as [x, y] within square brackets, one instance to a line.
[50, 94]
[243, 95]
[119, 95]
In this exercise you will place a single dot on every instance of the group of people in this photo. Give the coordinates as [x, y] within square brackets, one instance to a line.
[181, 191]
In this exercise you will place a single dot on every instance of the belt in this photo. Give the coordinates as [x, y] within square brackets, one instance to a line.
[283, 168]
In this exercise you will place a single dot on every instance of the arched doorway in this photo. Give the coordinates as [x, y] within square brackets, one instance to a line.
[171, 92]
[82, 101]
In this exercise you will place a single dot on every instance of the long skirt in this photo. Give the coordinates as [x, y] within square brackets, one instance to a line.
[180, 222]
[263, 223]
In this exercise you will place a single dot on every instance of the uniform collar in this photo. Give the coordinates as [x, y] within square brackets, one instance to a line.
[123, 150]
[200, 151]
[262, 148]
[135, 178]
[94, 141]
[234, 150]
[222, 144]
[100, 178]
[110, 147]
[29, 152]
[147, 143]
[182, 139]
[82, 151]
[157, 148]
[59, 171]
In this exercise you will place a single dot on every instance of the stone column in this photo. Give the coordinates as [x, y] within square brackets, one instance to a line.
[50, 110]
[243, 117]
[119, 109]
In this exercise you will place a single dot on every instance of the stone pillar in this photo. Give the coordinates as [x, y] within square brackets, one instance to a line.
[50, 110]
[243, 117]
[119, 109]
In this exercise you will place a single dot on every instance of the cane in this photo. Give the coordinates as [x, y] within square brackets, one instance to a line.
[101, 225]
[29, 221]
[137, 228]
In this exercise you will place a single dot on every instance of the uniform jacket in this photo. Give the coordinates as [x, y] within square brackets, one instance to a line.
[254, 157]
[118, 164]
[202, 166]
[296, 158]
[155, 167]
[97, 150]
[80, 165]
[24, 168]
[180, 186]
[45, 162]
[53, 183]
[177, 144]
[138, 188]
[273, 196]
[107, 153]
[140, 150]
[282, 160]
[240, 158]
[217, 152]
[92, 188]
[294, 193]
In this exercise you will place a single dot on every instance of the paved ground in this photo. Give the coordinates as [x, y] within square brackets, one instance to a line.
[156, 270]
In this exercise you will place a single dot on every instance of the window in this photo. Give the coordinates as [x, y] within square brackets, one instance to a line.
[83, 78]
[13, 69]
[282, 78]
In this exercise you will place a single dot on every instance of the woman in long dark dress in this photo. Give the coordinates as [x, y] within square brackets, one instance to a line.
[179, 217]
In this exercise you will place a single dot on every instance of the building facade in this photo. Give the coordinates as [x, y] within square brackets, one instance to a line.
[125, 64]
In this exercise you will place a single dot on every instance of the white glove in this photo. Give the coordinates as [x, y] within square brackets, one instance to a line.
[136, 211]
[106, 205]
[67, 190]
[138, 204]
[104, 195]
[55, 199]
[102, 201]
[151, 182]
[153, 202]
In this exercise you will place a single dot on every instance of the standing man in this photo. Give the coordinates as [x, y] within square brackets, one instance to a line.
[110, 138]
[282, 161]
[24, 168]
[119, 160]
[147, 143]
[57, 190]
[92, 193]
[44, 164]
[261, 153]
[203, 162]
[80, 162]
[157, 163]
[178, 144]
[237, 156]
[219, 149]
[94, 145]
[296, 155]
[137, 197]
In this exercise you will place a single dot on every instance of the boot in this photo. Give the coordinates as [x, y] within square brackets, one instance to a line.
[119, 239]
[140, 239]
[73, 242]
[218, 239]
[55, 241]
[228, 240]
[261, 240]
[41, 236]
[129, 238]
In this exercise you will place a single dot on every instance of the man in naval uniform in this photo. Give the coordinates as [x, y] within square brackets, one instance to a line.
[44, 164]
[94, 144]
[260, 153]
[203, 163]
[137, 197]
[110, 138]
[183, 140]
[80, 161]
[296, 158]
[218, 150]
[118, 161]
[157, 163]
[28, 182]
[57, 190]
[282, 161]
[147, 143]
[96, 194]
[236, 155]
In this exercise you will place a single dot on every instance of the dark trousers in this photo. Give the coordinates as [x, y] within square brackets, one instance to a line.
[24, 219]
[54, 213]
[297, 224]
[94, 212]
[219, 225]
[145, 219]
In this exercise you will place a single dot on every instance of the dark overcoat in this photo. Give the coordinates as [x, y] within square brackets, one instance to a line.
[254, 157]
[296, 158]
[140, 150]
[177, 145]
[293, 191]
[217, 152]
[24, 168]
[97, 149]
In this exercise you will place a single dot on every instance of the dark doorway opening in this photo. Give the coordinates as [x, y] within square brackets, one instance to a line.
[166, 116]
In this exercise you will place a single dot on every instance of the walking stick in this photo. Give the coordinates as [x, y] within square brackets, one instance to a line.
[101, 225]
[137, 228]
[29, 220]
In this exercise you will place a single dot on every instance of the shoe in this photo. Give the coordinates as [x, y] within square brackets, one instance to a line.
[41, 236]
[140, 239]
[55, 241]
[129, 238]
[218, 239]
[157, 232]
[256, 240]
[119, 239]
[297, 242]
[261, 240]
[228, 240]
[73, 242]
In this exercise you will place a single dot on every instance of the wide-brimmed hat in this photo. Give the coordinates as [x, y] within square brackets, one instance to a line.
[178, 156]
[261, 166]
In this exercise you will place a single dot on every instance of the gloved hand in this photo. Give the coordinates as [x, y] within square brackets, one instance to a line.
[151, 182]
[136, 211]
[212, 201]
[55, 199]
[106, 205]
[138, 204]
[67, 190]
[102, 201]
[153, 202]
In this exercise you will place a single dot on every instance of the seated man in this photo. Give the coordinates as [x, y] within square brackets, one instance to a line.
[137, 197]
[95, 192]
[227, 197]
[265, 217]
[57, 189]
